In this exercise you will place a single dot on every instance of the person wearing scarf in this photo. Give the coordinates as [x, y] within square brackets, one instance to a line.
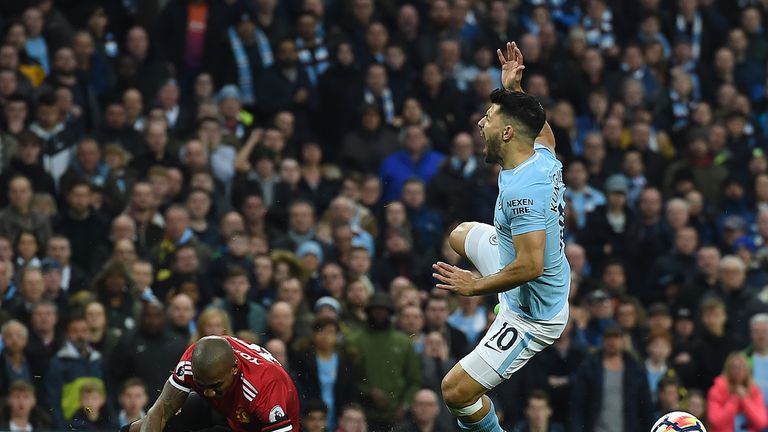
[252, 53]
[313, 54]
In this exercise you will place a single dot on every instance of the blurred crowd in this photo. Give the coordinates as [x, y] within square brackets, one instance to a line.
[287, 172]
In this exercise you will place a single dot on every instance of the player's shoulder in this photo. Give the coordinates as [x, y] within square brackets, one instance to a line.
[531, 174]
[545, 151]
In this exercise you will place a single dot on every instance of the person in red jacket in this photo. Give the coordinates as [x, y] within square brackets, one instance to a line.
[734, 402]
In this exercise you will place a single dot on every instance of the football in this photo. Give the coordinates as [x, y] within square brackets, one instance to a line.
[678, 421]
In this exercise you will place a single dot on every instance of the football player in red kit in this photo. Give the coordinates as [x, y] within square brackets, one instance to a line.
[242, 381]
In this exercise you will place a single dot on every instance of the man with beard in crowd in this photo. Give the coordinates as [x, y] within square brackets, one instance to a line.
[390, 371]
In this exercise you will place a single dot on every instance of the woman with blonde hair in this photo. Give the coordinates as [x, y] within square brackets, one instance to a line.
[734, 402]
[212, 322]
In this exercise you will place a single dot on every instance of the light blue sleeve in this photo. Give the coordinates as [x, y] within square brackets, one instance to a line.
[526, 205]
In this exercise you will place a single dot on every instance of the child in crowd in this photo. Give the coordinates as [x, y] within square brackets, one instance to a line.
[92, 414]
[133, 398]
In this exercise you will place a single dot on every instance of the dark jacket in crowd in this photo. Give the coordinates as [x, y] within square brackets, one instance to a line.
[304, 365]
[587, 396]
[146, 356]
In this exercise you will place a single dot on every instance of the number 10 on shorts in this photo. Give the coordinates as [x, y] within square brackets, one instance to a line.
[503, 339]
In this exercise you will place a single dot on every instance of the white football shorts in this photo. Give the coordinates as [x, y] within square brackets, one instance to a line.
[511, 340]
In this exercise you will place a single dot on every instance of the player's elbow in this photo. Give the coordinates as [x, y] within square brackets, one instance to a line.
[536, 272]
[534, 268]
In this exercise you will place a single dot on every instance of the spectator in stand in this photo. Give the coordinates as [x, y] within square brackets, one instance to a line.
[734, 402]
[553, 370]
[352, 419]
[93, 410]
[285, 85]
[714, 341]
[371, 141]
[423, 416]
[19, 215]
[73, 366]
[740, 303]
[606, 227]
[385, 389]
[114, 288]
[623, 396]
[538, 414]
[415, 160]
[132, 400]
[314, 416]
[31, 291]
[181, 316]
[27, 162]
[85, 228]
[669, 396]
[436, 313]
[73, 278]
[325, 371]
[149, 352]
[212, 322]
[14, 362]
[23, 411]
[243, 314]
[103, 339]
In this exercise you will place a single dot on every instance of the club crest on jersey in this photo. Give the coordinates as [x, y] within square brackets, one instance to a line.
[276, 414]
[242, 415]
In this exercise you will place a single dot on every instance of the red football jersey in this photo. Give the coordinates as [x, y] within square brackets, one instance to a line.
[263, 398]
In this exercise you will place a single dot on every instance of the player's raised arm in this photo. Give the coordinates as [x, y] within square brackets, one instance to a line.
[512, 77]
[170, 401]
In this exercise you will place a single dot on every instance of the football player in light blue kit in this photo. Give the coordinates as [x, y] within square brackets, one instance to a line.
[521, 258]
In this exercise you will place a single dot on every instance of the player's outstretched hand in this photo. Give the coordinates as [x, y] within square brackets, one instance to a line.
[511, 67]
[454, 279]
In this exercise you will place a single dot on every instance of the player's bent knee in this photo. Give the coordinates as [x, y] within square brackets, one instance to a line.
[454, 394]
[459, 235]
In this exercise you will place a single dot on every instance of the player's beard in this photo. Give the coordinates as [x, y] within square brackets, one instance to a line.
[492, 149]
[375, 325]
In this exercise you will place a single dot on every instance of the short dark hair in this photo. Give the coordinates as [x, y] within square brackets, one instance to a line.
[132, 382]
[668, 381]
[16, 97]
[320, 323]
[46, 99]
[27, 137]
[76, 183]
[20, 386]
[521, 107]
[77, 315]
[236, 271]
[314, 405]
[538, 394]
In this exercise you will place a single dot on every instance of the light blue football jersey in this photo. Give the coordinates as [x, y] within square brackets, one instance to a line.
[531, 199]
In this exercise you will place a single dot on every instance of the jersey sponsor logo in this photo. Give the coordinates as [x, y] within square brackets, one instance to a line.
[276, 414]
[520, 202]
[520, 210]
[242, 415]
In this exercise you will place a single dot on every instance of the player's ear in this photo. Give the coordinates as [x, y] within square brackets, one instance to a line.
[508, 133]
